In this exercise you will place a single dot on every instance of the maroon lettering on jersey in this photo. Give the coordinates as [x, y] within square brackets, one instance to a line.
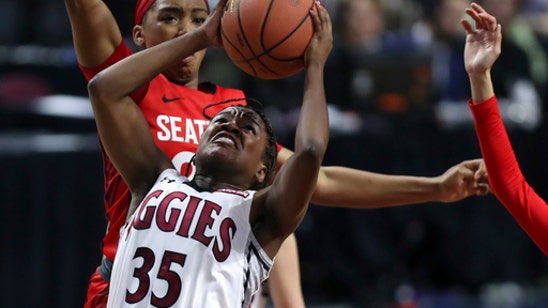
[228, 227]
[205, 220]
[169, 225]
[140, 224]
[189, 216]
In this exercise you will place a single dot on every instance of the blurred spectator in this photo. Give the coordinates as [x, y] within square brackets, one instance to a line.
[512, 75]
[374, 69]
[536, 13]
[518, 30]
[509, 13]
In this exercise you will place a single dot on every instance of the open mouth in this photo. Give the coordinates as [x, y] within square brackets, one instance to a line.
[223, 137]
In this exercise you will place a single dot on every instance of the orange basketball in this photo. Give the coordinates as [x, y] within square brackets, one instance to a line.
[267, 38]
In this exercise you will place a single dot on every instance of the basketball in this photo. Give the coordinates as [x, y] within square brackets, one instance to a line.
[267, 38]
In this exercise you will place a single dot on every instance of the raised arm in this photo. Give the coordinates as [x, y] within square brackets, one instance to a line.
[95, 32]
[287, 199]
[505, 177]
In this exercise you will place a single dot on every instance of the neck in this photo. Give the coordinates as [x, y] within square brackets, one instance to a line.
[210, 183]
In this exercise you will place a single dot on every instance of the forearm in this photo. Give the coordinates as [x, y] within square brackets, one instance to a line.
[346, 187]
[285, 278]
[481, 86]
[313, 122]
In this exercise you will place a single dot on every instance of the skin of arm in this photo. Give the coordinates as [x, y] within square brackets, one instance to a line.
[351, 188]
[285, 285]
[278, 210]
[483, 46]
[95, 31]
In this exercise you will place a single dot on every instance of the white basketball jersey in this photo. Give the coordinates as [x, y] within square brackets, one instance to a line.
[185, 248]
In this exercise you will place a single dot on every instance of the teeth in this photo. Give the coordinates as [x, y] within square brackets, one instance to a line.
[225, 139]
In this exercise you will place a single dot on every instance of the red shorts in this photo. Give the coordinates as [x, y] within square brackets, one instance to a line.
[97, 292]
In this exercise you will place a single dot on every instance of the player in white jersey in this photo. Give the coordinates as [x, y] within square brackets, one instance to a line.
[211, 241]
[205, 242]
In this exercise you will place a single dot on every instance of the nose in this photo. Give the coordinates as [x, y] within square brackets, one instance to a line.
[231, 126]
[184, 26]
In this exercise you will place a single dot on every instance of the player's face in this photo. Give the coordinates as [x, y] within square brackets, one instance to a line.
[235, 138]
[167, 19]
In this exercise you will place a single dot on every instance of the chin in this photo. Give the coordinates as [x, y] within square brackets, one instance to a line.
[181, 75]
[220, 154]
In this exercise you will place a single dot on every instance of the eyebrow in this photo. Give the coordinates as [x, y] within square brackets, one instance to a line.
[199, 9]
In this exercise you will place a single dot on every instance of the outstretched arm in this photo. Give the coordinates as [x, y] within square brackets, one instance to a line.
[506, 179]
[353, 188]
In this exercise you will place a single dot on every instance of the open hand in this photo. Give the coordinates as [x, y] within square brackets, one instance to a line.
[483, 40]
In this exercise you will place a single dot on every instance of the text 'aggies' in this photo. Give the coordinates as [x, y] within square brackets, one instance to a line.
[172, 128]
[151, 211]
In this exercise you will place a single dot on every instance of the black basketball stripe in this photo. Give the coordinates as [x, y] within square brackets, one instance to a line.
[267, 51]
[238, 50]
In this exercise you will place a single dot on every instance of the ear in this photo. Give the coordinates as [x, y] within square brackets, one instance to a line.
[138, 37]
[261, 173]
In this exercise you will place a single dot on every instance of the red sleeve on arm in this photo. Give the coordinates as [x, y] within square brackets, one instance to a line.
[505, 177]
[120, 53]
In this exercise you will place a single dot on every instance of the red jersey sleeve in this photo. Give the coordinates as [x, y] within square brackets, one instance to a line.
[121, 52]
[505, 177]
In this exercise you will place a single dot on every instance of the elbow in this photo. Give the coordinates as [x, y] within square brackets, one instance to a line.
[97, 90]
[313, 150]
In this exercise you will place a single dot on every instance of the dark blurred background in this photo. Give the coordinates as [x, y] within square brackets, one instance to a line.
[397, 91]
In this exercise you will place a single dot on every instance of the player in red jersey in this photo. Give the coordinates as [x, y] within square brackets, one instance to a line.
[483, 46]
[176, 124]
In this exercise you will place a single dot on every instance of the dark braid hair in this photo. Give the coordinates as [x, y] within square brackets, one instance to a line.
[271, 150]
